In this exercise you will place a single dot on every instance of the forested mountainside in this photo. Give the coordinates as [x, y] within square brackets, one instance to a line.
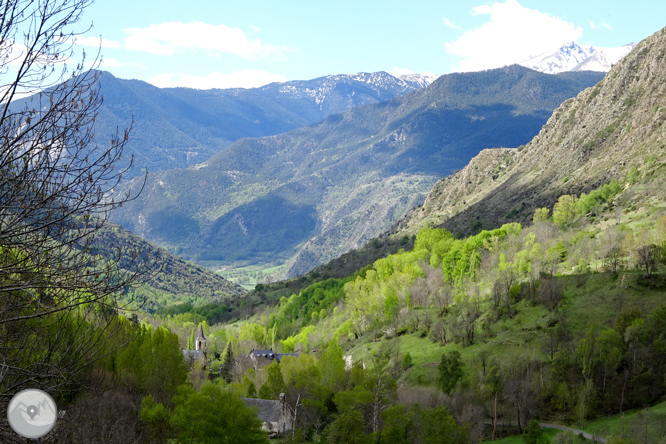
[603, 133]
[309, 195]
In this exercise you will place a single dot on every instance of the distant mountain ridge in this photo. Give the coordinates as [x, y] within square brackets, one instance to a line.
[180, 127]
[573, 57]
[308, 195]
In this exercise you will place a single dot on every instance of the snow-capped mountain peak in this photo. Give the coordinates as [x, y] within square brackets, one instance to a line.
[418, 80]
[573, 57]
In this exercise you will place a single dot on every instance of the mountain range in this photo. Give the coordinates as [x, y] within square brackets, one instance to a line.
[310, 194]
[573, 57]
[180, 127]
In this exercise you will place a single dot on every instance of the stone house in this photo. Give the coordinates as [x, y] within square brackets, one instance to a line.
[274, 415]
[261, 358]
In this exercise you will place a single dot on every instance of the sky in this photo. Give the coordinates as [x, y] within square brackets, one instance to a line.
[223, 44]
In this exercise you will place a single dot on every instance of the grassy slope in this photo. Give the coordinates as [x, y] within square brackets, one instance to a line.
[629, 423]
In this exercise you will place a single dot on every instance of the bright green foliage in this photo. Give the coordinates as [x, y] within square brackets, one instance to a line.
[558, 252]
[155, 359]
[603, 194]
[345, 329]
[431, 238]
[366, 295]
[450, 370]
[213, 416]
[274, 383]
[332, 367]
[564, 211]
[632, 176]
[190, 341]
[534, 434]
[315, 298]
[462, 258]
[300, 341]
[254, 332]
[540, 214]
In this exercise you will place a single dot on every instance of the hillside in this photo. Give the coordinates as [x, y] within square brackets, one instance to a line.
[311, 194]
[171, 279]
[601, 134]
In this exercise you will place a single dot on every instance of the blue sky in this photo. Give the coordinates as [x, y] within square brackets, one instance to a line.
[220, 43]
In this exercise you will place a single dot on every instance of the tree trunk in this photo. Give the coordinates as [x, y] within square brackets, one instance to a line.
[495, 418]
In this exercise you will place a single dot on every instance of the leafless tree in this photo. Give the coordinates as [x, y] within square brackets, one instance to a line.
[614, 259]
[497, 293]
[438, 332]
[59, 297]
[427, 397]
[550, 293]
[646, 258]
[507, 279]
[442, 297]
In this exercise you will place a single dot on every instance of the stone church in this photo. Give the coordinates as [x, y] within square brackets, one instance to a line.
[199, 352]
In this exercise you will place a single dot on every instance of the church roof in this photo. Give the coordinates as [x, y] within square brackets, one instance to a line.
[201, 334]
[268, 410]
[193, 354]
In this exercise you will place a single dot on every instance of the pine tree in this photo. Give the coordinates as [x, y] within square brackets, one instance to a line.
[226, 371]
[190, 342]
[251, 391]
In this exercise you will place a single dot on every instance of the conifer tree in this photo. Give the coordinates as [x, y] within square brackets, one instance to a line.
[226, 371]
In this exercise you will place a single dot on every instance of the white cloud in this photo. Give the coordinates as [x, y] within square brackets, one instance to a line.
[167, 38]
[603, 24]
[95, 42]
[247, 78]
[513, 34]
[109, 62]
[450, 24]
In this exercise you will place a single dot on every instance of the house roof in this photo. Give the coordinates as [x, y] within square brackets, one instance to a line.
[270, 354]
[264, 353]
[268, 410]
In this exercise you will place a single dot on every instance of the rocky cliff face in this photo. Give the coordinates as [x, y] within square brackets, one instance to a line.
[589, 140]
